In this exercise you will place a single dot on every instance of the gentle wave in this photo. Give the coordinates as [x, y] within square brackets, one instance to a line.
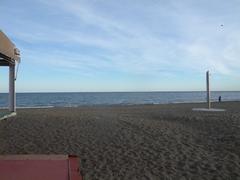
[30, 107]
[35, 107]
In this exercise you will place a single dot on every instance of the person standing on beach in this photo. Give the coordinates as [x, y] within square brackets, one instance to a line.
[219, 98]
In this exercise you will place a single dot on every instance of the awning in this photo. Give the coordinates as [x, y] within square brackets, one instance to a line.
[9, 56]
[8, 51]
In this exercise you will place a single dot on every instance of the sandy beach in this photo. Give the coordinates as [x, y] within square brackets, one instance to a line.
[133, 142]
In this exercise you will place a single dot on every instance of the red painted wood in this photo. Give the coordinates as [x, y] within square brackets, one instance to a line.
[42, 167]
[74, 170]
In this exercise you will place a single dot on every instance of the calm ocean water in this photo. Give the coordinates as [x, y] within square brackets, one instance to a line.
[112, 98]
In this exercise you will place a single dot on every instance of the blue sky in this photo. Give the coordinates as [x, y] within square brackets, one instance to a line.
[137, 45]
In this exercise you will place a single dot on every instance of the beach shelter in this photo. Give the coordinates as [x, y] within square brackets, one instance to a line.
[30, 167]
[9, 56]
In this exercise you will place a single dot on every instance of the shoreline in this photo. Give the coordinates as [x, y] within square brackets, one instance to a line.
[121, 105]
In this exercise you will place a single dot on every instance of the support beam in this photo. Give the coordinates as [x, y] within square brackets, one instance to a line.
[6, 58]
[208, 90]
[12, 95]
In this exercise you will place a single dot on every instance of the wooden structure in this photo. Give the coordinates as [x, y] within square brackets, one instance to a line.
[9, 56]
[30, 167]
[39, 167]
[209, 107]
[208, 90]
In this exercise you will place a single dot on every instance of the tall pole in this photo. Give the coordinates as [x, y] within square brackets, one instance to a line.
[12, 95]
[208, 90]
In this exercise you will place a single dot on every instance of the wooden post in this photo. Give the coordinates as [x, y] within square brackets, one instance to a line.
[208, 90]
[12, 95]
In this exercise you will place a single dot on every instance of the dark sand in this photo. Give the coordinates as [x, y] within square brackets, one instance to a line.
[133, 142]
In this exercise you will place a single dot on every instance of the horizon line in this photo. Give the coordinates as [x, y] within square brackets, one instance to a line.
[119, 91]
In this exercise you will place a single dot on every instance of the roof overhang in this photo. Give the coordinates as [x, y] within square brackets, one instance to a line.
[9, 54]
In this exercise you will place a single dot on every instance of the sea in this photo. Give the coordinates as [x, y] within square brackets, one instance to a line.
[76, 99]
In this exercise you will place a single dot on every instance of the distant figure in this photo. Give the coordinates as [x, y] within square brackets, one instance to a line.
[219, 98]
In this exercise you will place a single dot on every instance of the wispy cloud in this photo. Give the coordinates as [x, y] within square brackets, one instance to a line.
[135, 37]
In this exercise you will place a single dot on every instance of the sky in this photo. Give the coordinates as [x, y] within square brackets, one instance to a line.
[124, 45]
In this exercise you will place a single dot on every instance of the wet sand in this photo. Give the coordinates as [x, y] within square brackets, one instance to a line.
[133, 142]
